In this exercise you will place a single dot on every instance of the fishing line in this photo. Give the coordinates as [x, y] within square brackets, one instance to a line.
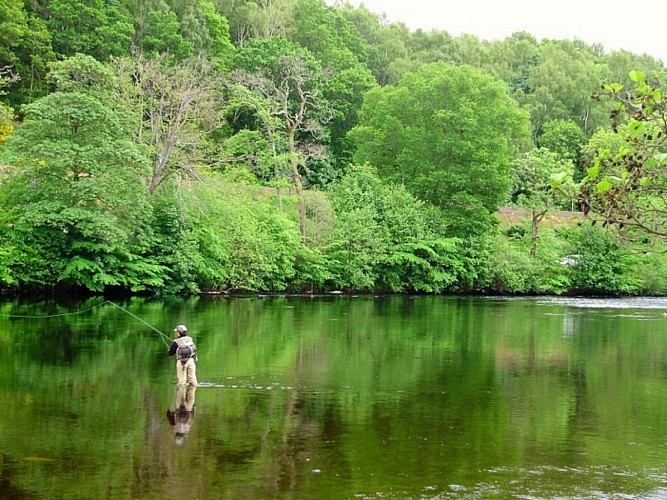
[25, 316]
[164, 336]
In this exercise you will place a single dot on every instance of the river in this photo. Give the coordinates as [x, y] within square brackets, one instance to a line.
[335, 397]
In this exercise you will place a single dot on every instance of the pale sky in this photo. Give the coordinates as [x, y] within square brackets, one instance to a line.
[638, 26]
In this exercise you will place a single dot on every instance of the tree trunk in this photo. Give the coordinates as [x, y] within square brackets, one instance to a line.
[296, 175]
[276, 172]
[534, 226]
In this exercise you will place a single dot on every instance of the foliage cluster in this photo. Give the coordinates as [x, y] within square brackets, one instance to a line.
[291, 145]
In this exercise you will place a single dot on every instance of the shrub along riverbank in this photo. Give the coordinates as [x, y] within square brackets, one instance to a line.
[232, 236]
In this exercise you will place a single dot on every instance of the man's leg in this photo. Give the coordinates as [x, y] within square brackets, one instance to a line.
[181, 372]
[192, 372]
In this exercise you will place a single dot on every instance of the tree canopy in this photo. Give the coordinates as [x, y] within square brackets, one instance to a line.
[449, 134]
[290, 145]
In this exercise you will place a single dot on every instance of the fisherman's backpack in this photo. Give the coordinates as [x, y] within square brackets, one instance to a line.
[185, 352]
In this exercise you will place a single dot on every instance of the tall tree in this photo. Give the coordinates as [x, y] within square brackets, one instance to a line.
[384, 43]
[94, 27]
[449, 135]
[161, 34]
[250, 19]
[560, 86]
[265, 111]
[336, 44]
[621, 62]
[291, 79]
[204, 28]
[384, 238]
[469, 49]
[175, 105]
[512, 59]
[540, 180]
[565, 138]
[25, 51]
[74, 194]
[627, 185]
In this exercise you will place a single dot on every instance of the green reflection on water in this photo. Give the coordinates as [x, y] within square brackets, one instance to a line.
[334, 397]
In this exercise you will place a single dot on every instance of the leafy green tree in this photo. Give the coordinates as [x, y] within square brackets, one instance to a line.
[365, 21]
[336, 44]
[560, 86]
[512, 59]
[388, 48]
[540, 180]
[237, 12]
[449, 135]
[162, 35]
[651, 271]
[25, 51]
[431, 46]
[217, 44]
[625, 186]
[95, 27]
[13, 24]
[344, 90]
[602, 143]
[75, 197]
[565, 138]
[182, 29]
[622, 62]
[204, 28]
[501, 267]
[602, 266]
[382, 43]
[263, 149]
[422, 48]
[327, 34]
[237, 238]
[250, 19]
[83, 73]
[469, 49]
[250, 149]
[386, 239]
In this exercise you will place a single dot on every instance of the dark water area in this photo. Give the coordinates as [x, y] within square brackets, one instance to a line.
[335, 397]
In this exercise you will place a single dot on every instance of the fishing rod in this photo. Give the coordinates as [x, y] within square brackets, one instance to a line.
[163, 335]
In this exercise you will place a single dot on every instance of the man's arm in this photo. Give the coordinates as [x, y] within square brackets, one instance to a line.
[172, 348]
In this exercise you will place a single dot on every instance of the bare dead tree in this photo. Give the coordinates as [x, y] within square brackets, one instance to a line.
[272, 18]
[294, 96]
[243, 97]
[7, 77]
[177, 105]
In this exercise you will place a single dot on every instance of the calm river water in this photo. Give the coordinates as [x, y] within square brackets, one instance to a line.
[335, 397]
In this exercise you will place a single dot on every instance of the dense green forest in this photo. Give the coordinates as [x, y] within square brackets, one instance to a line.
[289, 146]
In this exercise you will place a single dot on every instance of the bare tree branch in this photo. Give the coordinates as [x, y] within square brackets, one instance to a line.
[175, 104]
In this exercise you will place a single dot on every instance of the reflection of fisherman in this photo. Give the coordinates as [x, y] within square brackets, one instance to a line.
[186, 356]
[180, 419]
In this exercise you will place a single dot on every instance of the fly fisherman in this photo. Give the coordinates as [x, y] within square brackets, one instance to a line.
[186, 355]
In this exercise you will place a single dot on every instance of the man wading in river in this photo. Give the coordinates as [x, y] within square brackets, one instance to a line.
[186, 356]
